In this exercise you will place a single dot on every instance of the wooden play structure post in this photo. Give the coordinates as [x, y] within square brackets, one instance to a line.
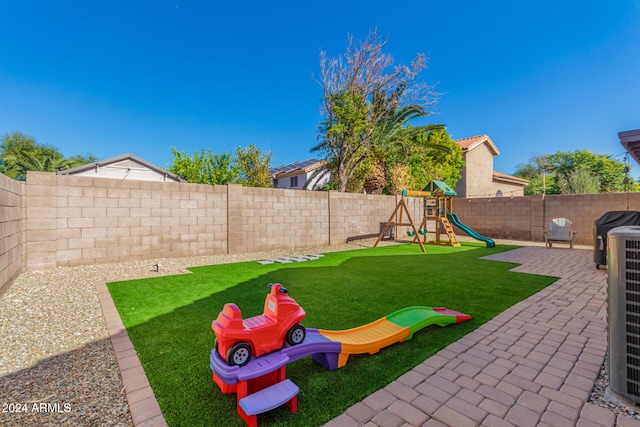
[401, 207]
[437, 203]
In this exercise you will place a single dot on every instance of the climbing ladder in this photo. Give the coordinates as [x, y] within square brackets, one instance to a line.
[448, 228]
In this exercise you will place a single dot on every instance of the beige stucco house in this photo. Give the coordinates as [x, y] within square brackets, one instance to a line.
[478, 177]
[125, 166]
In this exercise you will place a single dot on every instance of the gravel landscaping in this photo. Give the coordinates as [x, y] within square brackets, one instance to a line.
[57, 365]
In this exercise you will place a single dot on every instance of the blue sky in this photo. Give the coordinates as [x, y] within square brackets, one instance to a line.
[113, 77]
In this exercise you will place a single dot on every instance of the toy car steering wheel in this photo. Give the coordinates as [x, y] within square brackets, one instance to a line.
[282, 289]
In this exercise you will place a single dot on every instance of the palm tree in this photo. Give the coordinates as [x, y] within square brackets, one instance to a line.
[392, 139]
[387, 132]
[45, 161]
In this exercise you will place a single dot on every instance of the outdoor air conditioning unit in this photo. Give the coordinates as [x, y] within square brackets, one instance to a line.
[623, 261]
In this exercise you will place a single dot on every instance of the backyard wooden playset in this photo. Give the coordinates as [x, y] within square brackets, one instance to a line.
[437, 207]
[436, 204]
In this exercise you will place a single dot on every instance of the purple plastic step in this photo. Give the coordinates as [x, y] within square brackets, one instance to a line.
[269, 398]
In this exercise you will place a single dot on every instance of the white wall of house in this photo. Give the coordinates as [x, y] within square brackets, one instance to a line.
[300, 180]
[124, 167]
[117, 172]
[293, 182]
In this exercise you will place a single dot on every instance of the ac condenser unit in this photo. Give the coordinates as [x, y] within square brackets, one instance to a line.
[623, 261]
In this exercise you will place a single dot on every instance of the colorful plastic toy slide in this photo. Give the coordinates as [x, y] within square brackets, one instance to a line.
[261, 384]
[331, 349]
[453, 218]
[396, 327]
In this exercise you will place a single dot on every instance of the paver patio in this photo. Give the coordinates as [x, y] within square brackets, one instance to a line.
[535, 364]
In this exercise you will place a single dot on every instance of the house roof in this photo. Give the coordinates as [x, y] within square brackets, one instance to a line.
[296, 168]
[630, 140]
[499, 176]
[118, 159]
[468, 144]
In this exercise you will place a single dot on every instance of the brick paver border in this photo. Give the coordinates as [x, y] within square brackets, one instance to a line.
[143, 405]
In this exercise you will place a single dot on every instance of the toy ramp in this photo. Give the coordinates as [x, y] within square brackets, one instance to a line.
[369, 338]
[416, 318]
[396, 327]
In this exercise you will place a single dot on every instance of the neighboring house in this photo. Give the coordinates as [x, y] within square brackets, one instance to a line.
[126, 166]
[295, 175]
[478, 177]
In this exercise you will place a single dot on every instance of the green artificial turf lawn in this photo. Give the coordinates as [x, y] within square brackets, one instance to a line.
[169, 321]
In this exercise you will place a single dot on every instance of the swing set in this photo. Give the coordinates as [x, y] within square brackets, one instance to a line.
[437, 202]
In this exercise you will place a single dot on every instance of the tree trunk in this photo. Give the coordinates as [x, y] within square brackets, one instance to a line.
[376, 182]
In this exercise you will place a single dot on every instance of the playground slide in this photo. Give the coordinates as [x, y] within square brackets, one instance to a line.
[331, 349]
[453, 218]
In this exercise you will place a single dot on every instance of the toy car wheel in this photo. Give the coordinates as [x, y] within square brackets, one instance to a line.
[239, 354]
[296, 334]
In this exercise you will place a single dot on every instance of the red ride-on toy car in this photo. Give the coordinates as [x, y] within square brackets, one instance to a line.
[237, 340]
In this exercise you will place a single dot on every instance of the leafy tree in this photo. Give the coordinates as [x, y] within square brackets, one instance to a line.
[540, 176]
[81, 159]
[580, 181]
[415, 156]
[435, 156]
[249, 167]
[204, 167]
[254, 166]
[221, 169]
[361, 90]
[20, 153]
[578, 172]
[30, 161]
[608, 172]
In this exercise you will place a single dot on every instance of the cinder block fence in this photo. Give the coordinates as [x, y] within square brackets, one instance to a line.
[52, 221]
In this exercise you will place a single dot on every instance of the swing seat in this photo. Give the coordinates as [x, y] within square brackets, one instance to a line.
[421, 231]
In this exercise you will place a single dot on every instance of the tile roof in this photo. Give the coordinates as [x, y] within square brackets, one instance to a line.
[468, 144]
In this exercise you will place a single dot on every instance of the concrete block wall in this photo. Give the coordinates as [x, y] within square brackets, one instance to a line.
[525, 218]
[53, 221]
[78, 220]
[357, 215]
[11, 231]
[262, 219]
[498, 217]
[585, 209]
